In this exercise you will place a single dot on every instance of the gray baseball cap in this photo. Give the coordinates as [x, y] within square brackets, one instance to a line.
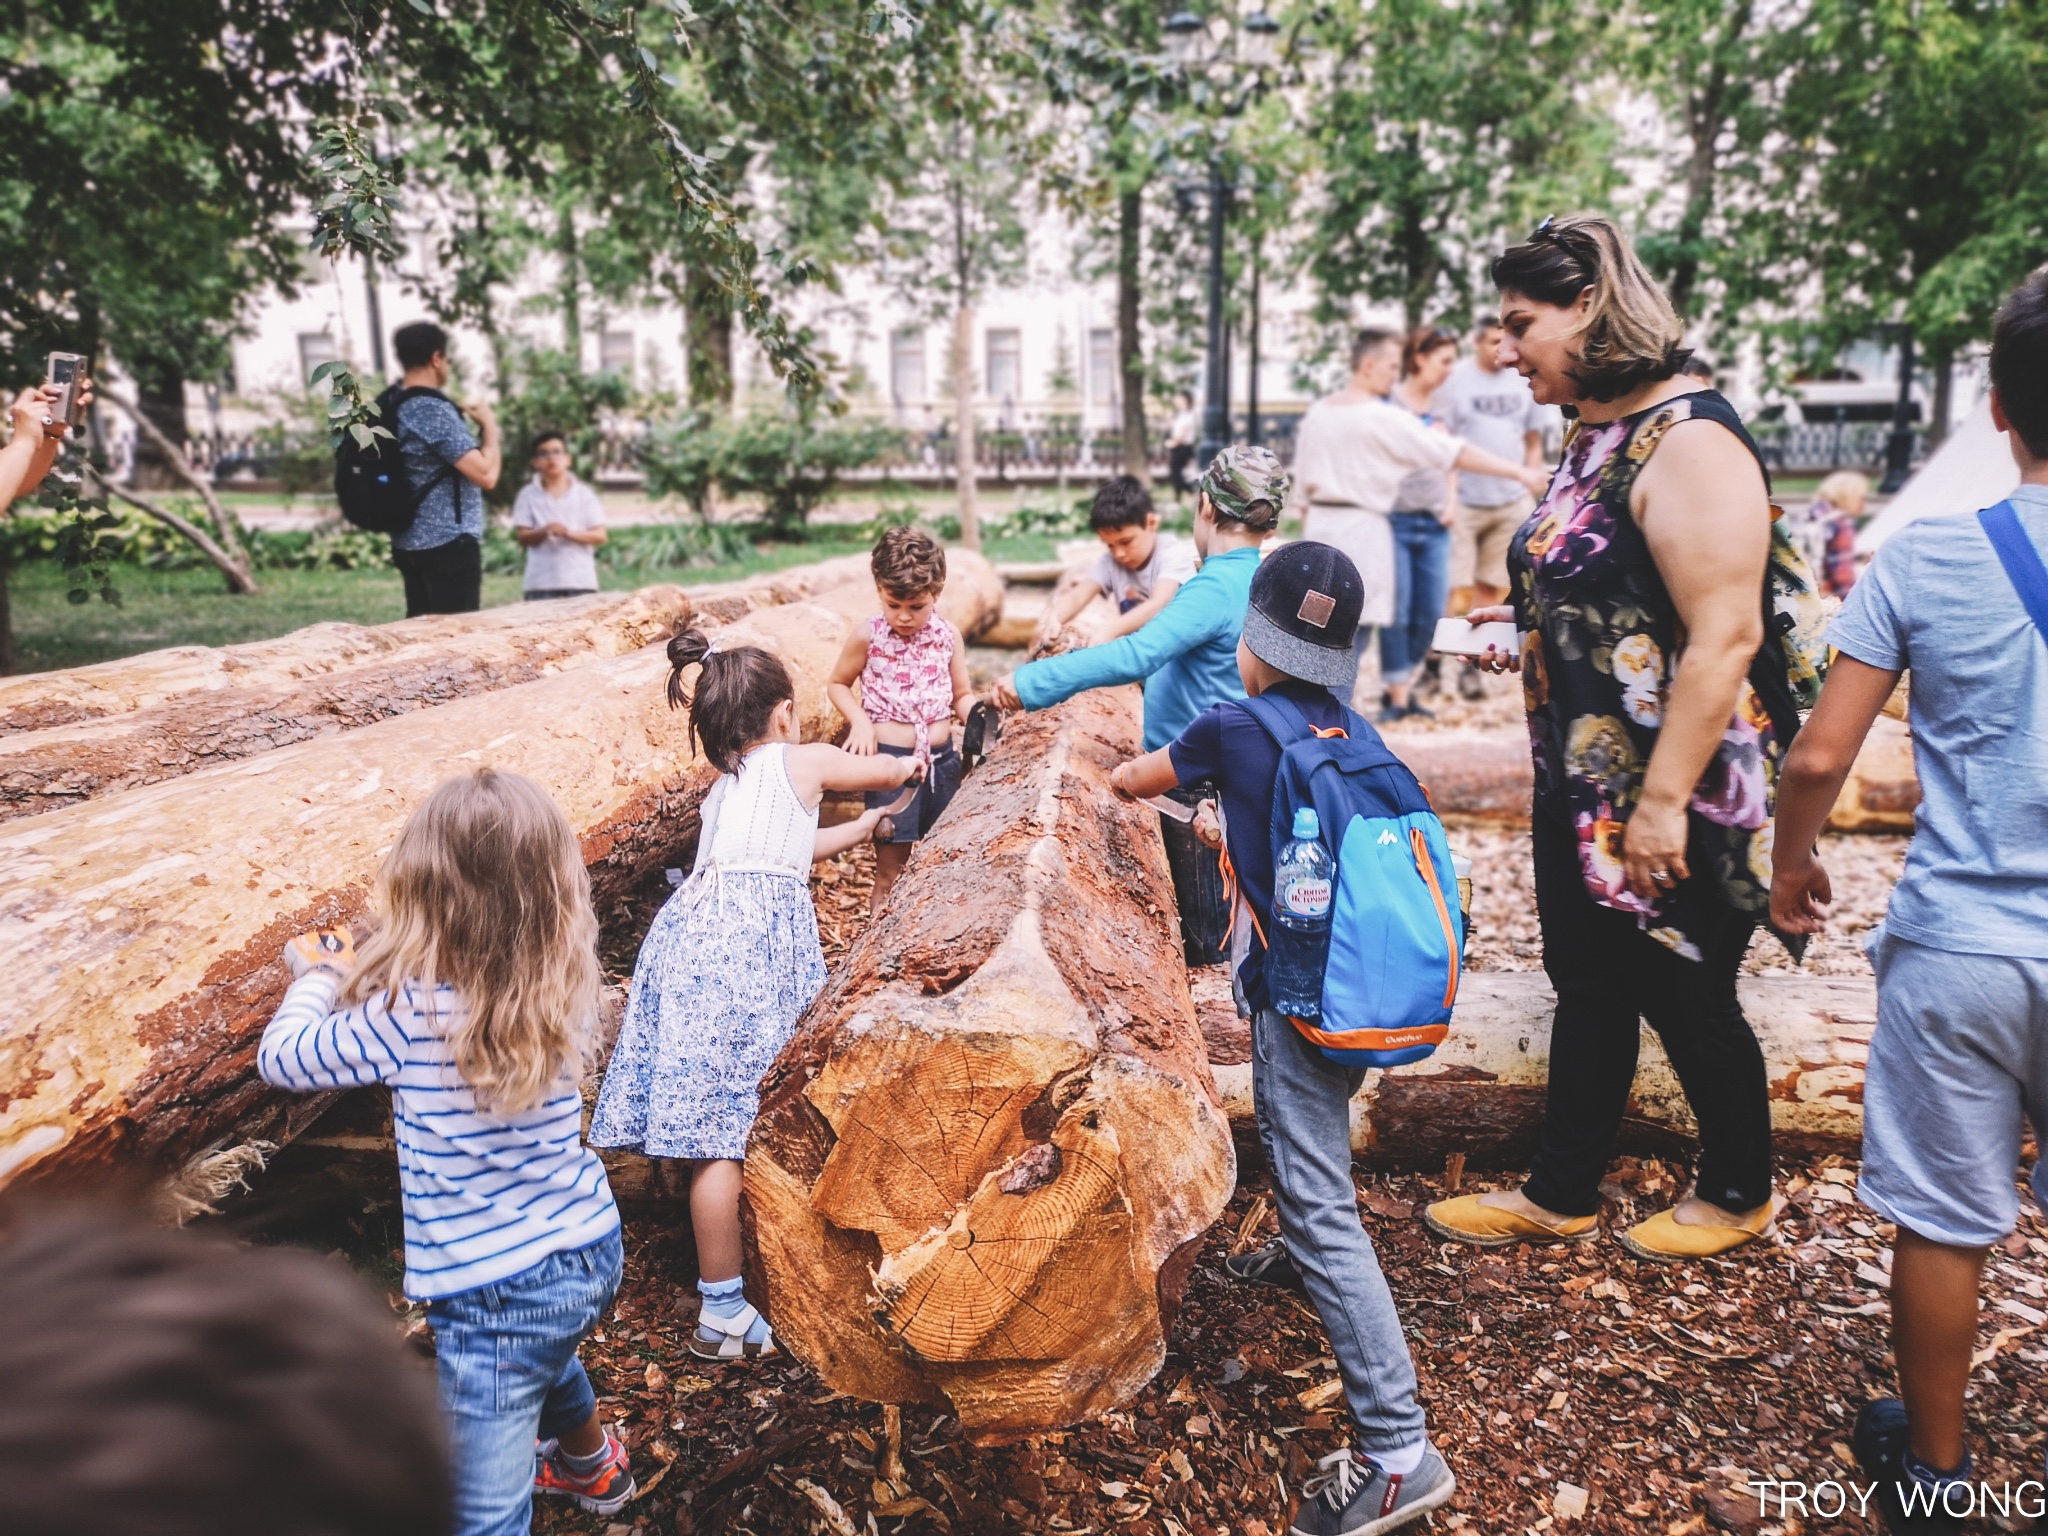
[1304, 610]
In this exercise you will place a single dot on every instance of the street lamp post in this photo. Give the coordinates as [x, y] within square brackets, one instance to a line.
[1201, 53]
[1898, 448]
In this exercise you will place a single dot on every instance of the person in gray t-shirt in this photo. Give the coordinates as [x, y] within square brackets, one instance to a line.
[441, 554]
[1490, 407]
[1961, 1048]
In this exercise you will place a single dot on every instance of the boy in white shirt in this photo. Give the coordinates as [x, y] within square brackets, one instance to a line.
[559, 522]
[1139, 569]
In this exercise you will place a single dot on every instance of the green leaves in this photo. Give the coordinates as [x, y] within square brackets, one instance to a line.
[362, 195]
[349, 413]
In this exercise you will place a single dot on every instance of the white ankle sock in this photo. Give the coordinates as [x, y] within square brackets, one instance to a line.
[1401, 1462]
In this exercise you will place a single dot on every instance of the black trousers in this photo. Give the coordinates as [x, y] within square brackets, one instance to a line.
[449, 578]
[1197, 882]
[1608, 973]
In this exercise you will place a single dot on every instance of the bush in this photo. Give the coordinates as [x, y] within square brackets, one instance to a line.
[549, 391]
[791, 462]
[653, 546]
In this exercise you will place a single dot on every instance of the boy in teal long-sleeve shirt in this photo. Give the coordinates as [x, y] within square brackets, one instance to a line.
[1187, 660]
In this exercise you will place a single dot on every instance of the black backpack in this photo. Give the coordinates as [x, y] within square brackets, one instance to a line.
[375, 492]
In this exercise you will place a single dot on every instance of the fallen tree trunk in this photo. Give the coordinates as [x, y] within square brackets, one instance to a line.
[1485, 775]
[984, 1166]
[1482, 1093]
[40, 700]
[46, 769]
[140, 933]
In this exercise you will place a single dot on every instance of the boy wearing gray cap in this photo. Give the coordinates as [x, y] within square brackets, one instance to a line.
[1296, 645]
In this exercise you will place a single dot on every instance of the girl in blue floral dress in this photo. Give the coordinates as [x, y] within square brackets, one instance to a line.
[732, 960]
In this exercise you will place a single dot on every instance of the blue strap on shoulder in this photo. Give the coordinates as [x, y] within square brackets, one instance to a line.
[1282, 721]
[2021, 560]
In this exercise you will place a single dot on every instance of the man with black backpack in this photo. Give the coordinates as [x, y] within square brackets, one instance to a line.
[428, 493]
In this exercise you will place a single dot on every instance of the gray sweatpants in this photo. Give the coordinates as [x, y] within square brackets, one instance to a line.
[1960, 1053]
[1303, 1100]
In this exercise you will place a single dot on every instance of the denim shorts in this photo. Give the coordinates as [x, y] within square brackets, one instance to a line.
[933, 796]
[1961, 1051]
[509, 1375]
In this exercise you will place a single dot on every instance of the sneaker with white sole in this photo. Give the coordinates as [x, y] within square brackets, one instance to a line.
[1353, 1495]
[604, 1491]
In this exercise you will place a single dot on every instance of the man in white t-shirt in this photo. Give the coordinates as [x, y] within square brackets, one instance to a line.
[1491, 406]
[1353, 450]
[559, 521]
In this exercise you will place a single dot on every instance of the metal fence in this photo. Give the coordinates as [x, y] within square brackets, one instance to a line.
[1809, 448]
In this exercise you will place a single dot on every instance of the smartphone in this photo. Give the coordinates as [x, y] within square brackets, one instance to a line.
[67, 370]
[1461, 637]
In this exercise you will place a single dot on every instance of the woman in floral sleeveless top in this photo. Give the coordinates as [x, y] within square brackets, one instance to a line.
[1639, 589]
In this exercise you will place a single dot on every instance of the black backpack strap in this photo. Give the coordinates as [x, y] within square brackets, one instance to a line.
[399, 394]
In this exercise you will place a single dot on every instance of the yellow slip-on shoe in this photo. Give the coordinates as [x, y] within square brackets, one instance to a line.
[1465, 1220]
[1662, 1239]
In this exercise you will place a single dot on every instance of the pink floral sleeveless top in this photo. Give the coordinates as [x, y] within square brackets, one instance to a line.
[909, 682]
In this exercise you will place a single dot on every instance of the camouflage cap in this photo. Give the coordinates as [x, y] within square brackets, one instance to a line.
[1247, 485]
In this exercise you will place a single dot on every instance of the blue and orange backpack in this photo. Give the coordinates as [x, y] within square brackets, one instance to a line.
[1397, 933]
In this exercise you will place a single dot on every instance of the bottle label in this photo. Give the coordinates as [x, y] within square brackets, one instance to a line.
[1306, 898]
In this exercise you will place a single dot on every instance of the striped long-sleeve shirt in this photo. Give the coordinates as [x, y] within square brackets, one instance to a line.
[486, 1195]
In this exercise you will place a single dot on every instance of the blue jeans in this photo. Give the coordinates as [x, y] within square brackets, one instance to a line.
[1422, 581]
[509, 1375]
[1303, 1103]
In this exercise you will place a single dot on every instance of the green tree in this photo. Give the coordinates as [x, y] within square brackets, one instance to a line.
[1443, 129]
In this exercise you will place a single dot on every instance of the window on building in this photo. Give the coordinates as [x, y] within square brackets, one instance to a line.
[1005, 364]
[1103, 376]
[907, 384]
[615, 353]
[315, 348]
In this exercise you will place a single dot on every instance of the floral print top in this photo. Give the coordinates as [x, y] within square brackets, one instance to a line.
[1599, 649]
[909, 681]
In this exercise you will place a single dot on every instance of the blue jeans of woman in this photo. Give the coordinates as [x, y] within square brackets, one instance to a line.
[509, 1375]
[1422, 581]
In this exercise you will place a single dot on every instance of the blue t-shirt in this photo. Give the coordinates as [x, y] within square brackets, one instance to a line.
[1228, 748]
[432, 436]
[1936, 600]
[1186, 657]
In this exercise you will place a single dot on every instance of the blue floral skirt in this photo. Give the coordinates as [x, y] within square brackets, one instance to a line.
[726, 970]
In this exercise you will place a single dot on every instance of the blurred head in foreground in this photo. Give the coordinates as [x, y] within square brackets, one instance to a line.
[159, 1383]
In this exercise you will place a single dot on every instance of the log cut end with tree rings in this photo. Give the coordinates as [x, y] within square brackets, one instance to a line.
[983, 1167]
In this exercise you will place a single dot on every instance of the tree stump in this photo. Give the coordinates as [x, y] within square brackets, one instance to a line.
[984, 1166]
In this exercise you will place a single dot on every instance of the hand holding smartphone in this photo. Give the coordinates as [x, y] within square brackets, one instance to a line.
[1461, 637]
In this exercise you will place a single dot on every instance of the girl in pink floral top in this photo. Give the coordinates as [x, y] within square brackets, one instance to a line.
[911, 667]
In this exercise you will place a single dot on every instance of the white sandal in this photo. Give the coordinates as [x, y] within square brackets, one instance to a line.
[734, 1345]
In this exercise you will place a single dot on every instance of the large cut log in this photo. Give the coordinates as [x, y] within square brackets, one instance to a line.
[1482, 1093]
[45, 769]
[139, 933]
[39, 700]
[984, 1165]
[1484, 775]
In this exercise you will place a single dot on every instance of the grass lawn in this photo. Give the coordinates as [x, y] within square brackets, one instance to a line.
[191, 607]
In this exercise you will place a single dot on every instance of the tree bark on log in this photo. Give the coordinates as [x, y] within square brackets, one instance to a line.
[140, 933]
[984, 1165]
[49, 769]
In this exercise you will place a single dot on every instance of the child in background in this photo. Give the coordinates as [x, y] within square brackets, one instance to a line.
[473, 1002]
[559, 522]
[1296, 644]
[911, 665]
[1139, 570]
[1836, 514]
[733, 959]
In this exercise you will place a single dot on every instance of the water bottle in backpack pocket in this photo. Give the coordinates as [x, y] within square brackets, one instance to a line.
[1375, 983]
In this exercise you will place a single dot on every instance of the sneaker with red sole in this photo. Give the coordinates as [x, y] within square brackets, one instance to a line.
[602, 1492]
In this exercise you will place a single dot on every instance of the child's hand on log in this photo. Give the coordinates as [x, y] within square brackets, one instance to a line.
[324, 949]
[1208, 825]
[1116, 783]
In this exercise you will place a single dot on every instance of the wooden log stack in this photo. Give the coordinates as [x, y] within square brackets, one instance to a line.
[140, 931]
[984, 1166]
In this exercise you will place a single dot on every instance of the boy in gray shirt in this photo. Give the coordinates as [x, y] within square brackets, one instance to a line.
[1961, 1048]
